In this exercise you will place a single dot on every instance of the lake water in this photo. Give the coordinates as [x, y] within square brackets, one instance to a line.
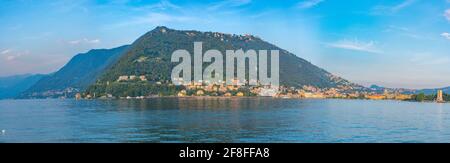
[223, 120]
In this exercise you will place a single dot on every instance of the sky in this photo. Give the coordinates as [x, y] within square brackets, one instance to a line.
[392, 43]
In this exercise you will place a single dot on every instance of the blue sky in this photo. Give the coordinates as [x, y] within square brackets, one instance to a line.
[394, 43]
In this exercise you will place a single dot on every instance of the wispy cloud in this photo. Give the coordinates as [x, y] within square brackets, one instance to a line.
[161, 5]
[404, 31]
[84, 41]
[11, 55]
[402, 5]
[5, 51]
[400, 28]
[155, 18]
[446, 35]
[383, 9]
[356, 45]
[447, 14]
[70, 6]
[309, 3]
[228, 3]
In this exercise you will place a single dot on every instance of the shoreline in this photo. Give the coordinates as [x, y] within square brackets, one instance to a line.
[222, 97]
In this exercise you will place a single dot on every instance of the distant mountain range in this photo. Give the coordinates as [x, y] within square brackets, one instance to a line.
[431, 91]
[150, 55]
[81, 71]
[12, 86]
[434, 90]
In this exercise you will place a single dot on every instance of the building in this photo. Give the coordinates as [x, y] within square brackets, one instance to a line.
[78, 96]
[122, 78]
[440, 97]
[182, 93]
[200, 93]
[376, 97]
[88, 96]
[403, 97]
[143, 78]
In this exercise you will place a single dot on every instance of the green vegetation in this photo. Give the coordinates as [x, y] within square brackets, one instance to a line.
[12, 86]
[150, 55]
[421, 97]
[132, 89]
[81, 71]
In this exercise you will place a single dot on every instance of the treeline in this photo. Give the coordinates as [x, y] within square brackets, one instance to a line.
[144, 88]
[423, 97]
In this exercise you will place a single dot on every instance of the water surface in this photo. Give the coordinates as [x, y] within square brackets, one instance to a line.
[223, 120]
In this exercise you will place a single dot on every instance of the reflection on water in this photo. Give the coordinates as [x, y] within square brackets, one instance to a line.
[223, 120]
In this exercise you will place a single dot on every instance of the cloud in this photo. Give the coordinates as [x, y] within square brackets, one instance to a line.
[161, 5]
[309, 3]
[446, 35]
[10, 55]
[356, 45]
[67, 6]
[399, 28]
[229, 3]
[84, 41]
[5, 51]
[402, 5]
[404, 31]
[383, 10]
[447, 14]
[155, 19]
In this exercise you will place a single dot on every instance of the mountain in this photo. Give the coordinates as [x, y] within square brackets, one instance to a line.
[381, 89]
[80, 72]
[433, 90]
[12, 86]
[150, 55]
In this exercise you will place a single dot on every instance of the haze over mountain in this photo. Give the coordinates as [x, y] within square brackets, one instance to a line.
[430, 91]
[12, 86]
[81, 71]
[434, 90]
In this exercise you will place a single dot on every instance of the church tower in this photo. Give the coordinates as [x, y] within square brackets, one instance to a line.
[440, 97]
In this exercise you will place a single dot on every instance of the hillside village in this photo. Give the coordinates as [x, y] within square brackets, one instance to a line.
[200, 89]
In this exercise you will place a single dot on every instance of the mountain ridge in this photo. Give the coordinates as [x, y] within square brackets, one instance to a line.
[12, 86]
[81, 71]
[150, 56]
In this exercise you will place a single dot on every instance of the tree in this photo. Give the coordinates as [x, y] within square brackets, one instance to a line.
[420, 97]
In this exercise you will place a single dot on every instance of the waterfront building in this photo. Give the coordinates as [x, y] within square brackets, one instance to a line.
[402, 97]
[182, 93]
[200, 93]
[376, 97]
[240, 94]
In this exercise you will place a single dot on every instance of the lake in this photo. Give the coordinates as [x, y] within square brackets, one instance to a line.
[261, 120]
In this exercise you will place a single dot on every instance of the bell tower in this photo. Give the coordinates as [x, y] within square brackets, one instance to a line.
[439, 97]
